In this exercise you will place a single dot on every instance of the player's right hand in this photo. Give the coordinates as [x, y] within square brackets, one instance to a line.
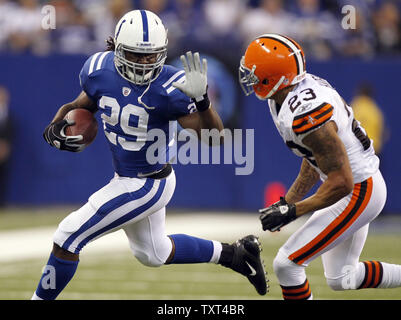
[277, 215]
[195, 85]
[55, 136]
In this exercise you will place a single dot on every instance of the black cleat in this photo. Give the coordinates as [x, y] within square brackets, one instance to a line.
[243, 256]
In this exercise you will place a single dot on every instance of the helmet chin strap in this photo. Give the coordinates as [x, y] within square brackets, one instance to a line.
[272, 91]
[141, 96]
[132, 75]
[275, 88]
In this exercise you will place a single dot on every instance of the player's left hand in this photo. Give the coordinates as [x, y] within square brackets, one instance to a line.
[195, 85]
[277, 215]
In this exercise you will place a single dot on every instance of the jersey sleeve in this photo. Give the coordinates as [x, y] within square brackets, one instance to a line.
[311, 119]
[86, 77]
[179, 103]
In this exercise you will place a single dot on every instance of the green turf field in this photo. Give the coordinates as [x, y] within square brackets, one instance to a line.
[119, 276]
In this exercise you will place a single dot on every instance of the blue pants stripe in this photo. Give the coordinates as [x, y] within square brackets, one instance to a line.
[129, 216]
[108, 207]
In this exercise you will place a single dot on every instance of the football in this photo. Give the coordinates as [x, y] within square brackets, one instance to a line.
[85, 125]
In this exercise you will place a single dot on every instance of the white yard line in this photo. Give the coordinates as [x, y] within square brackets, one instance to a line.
[34, 243]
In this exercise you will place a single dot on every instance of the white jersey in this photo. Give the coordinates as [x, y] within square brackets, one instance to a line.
[313, 103]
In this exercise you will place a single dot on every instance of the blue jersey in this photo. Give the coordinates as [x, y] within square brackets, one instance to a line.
[126, 122]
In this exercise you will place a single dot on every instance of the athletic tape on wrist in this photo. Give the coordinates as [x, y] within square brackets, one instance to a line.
[203, 104]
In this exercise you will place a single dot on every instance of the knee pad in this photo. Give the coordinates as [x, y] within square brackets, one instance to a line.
[288, 272]
[152, 255]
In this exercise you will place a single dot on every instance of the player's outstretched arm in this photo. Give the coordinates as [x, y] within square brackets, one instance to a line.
[332, 159]
[304, 182]
[283, 212]
[195, 87]
[54, 132]
[208, 119]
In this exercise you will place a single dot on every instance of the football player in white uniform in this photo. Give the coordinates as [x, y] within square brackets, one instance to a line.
[316, 124]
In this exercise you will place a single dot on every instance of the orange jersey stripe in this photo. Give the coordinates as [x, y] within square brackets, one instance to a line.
[313, 123]
[298, 120]
[359, 200]
[313, 119]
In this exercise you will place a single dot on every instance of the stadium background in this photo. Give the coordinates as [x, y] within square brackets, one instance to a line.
[39, 70]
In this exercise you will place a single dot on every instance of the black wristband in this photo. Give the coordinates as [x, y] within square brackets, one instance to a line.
[202, 104]
[292, 212]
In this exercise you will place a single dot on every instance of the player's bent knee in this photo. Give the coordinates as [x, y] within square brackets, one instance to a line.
[59, 239]
[69, 226]
[336, 284]
[152, 254]
[64, 254]
[286, 270]
[281, 264]
[344, 282]
[278, 265]
[348, 278]
[147, 259]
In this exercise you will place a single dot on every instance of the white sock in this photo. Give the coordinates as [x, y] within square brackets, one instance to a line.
[217, 247]
[391, 276]
[375, 274]
[35, 297]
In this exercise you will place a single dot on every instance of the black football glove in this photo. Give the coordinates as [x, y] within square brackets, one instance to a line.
[277, 215]
[55, 136]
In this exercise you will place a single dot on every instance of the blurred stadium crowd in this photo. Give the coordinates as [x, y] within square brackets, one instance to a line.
[82, 26]
[220, 30]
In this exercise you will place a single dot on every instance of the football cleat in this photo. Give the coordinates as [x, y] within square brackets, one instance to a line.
[243, 256]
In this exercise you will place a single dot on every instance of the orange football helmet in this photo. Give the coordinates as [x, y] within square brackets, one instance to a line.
[271, 63]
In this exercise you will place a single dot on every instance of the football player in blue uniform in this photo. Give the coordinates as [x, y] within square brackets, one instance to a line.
[135, 92]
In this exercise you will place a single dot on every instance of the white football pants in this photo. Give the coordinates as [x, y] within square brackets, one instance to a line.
[336, 233]
[133, 204]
